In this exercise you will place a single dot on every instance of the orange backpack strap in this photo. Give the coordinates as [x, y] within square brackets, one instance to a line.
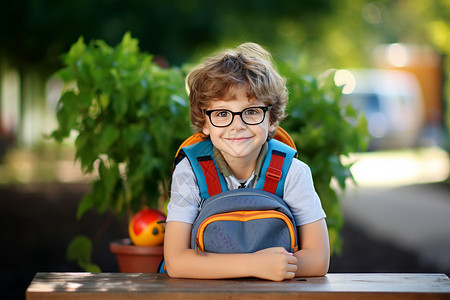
[282, 136]
[195, 138]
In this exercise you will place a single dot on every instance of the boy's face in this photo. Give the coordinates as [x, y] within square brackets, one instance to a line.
[238, 140]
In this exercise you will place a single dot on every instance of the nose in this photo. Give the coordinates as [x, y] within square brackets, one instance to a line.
[237, 123]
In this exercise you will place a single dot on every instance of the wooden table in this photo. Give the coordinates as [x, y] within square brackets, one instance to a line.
[112, 286]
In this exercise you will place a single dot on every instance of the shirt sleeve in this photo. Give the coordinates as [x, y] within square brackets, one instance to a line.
[300, 195]
[185, 195]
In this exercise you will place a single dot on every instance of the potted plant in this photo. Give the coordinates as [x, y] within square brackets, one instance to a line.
[128, 116]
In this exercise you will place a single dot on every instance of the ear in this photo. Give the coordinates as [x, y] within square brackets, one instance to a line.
[205, 130]
[272, 127]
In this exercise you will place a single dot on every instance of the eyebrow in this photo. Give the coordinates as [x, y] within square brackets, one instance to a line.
[251, 102]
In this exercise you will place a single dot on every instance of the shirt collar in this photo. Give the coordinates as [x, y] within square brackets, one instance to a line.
[225, 170]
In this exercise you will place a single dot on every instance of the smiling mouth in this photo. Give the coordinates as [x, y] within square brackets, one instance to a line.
[238, 139]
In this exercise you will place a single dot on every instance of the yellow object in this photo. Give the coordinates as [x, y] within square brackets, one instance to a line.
[147, 228]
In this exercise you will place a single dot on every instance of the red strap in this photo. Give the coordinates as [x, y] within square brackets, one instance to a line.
[273, 173]
[211, 176]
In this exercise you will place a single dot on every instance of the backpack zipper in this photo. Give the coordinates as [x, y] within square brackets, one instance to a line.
[200, 206]
[203, 203]
[243, 216]
[238, 192]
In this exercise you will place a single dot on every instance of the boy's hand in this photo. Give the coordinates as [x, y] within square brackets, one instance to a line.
[275, 264]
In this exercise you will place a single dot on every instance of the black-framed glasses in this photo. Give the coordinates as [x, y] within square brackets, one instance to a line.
[251, 115]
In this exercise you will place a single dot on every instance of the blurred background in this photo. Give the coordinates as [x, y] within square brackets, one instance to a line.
[391, 58]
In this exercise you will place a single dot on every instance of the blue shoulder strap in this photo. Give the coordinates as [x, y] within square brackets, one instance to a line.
[275, 167]
[209, 179]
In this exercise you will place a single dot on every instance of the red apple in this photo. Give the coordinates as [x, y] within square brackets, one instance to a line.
[146, 228]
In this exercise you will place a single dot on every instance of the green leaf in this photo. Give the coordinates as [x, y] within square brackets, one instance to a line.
[339, 171]
[335, 240]
[86, 203]
[83, 71]
[108, 176]
[104, 100]
[120, 201]
[120, 106]
[80, 250]
[90, 267]
[65, 75]
[101, 196]
[87, 151]
[66, 113]
[109, 135]
[133, 134]
[76, 50]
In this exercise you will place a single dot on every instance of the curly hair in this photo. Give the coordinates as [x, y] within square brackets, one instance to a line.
[247, 67]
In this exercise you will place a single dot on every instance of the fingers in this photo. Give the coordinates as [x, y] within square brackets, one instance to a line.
[278, 264]
[290, 275]
[291, 267]
[292, 259]
[290, 271]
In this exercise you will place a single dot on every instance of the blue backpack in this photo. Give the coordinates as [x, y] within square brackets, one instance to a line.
[243, 220]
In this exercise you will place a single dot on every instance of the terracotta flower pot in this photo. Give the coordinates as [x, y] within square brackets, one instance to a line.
[136, 259]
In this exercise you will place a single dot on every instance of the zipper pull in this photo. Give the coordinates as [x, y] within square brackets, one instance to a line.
[200, 206]
[197, 248]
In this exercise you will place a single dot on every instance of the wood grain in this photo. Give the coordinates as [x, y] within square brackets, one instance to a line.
[112, 286]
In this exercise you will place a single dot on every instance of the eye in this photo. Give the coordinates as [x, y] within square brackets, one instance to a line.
[221, 114]
[252, 111]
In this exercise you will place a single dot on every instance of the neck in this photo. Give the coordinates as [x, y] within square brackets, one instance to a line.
[242, 172]
[242, 168]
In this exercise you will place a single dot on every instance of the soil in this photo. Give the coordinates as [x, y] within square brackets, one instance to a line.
[38, 222]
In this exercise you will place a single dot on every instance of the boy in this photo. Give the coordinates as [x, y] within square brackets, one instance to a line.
[237, 100]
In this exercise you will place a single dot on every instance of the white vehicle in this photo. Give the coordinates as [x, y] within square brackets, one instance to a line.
[391, 101]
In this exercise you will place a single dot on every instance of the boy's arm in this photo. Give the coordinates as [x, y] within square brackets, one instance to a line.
[313, 258]
[274, 263]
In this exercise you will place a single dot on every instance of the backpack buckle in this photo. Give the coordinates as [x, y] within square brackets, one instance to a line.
[273, 173]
